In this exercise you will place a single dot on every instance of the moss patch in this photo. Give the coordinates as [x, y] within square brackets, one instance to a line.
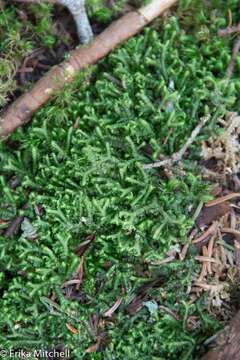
[79, 170]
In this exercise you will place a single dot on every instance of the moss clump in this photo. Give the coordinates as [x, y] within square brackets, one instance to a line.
[80, 162]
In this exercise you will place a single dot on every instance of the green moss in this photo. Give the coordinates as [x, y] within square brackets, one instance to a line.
[18, 39]
[81, 160]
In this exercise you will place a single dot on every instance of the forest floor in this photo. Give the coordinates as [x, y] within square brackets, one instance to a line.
[98, 254]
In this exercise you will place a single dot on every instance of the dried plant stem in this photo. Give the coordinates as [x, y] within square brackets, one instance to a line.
[177, 156]
[235, 52]
[222, 199]
[78, 11]
[210, 231]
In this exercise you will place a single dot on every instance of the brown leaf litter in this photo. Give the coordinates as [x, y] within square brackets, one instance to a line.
[224, 149]
[216, 233]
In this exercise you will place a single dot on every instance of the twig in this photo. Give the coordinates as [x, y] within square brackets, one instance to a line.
[184, 251]
[177, 156]
[205, 255]
[235, 52]
[128, 25]
[203, 272]
[209, 286]
[78, 11]
[222, 199]
[163, 261]
[206, 259]
[210, 231]
[169, 311]
[210, 251]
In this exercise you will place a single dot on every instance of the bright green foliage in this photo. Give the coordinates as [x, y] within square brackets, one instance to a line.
[89, 180]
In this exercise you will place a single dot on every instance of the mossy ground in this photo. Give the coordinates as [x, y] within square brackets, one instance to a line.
[80, 161]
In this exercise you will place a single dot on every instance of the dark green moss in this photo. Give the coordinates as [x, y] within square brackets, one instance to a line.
[81, 160]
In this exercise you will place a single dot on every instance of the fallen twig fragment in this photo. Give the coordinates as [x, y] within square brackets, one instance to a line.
[222, 199]
[206, 259]
[177, 156]
[113, 308]
[128, 25]
[163, 261]
[169, 311]
[184, 251]
[210, 231]
[235, 52]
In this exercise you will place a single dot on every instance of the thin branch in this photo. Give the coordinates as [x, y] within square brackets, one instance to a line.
[78, 11]
[177, 156]
[235, 52]
[128, 25]
[223, 199]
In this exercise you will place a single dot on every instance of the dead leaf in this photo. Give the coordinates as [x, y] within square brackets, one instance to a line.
[210, 214]
[99, 345]
[94, 347]
[113, 308]
[84, 245]
[135, 305]
[72, 329]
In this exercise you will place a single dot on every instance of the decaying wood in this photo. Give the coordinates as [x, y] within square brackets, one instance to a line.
[227, 343]
[24, 107]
